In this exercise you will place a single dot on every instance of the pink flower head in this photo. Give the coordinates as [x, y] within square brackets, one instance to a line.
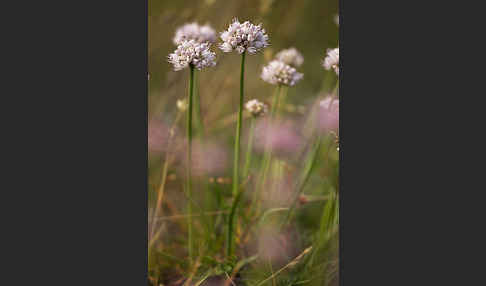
[158, 136]
[328, 114]
[208, 158]
[281, 138]
[278, 247]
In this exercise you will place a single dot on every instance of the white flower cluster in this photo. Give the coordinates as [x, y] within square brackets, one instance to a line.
[244, 37]
[332, 60]
[256, 107]
[278, 72]
[193, 31]
[291, 57]
[192, 53]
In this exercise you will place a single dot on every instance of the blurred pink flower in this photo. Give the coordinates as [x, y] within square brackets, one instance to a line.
[158, 136]
[208, 158]
[277, 247]
[282, 137]
[328, 114]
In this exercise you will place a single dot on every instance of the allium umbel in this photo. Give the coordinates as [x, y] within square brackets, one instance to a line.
[291, 57]
[332, 60]
[243, 37]
[192, 52]
[193, 31]
[280, 73]
[256, 107]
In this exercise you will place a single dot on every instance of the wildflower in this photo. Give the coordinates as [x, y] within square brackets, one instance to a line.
[329, 114]
[329, 103]
[278, 72]
[209, 158]
[193, 31]
[332, 60]
[192, 53]
[283, 138]
[158, 136]
[291, 57]
[256, 107]
[182, 105]
[277, 246]
[243, 37]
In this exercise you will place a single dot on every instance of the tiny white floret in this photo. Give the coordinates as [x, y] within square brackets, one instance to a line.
[243, 37]
[193, 31]
[280, 73]
[332, 60]
[192, 53]
[256, 107]
[291, 57]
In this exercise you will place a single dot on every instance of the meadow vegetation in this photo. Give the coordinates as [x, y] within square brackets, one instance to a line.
[243, 143]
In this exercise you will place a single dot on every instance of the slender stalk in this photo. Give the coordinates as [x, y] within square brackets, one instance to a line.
[278, 176]
[197, 107]
[236, 159]
[327, 224]
[165, 168]
[281, 101]
[275, 102]
[267, 155]
[189, 163]
[311, 161]
[290, 264]
[200, 133]
[271, 272]
[249, 148]
[238, 129]
[231, 224]
[335, 91]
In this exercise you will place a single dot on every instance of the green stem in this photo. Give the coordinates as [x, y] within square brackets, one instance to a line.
[275, 102]
[165, 168]
[268, 151]
[328, 222]
[335, 91]
[238, 129]
[237, 157]
[200, 133]
[281, 101]
[249, 148]
[189, 163]
[311, 162]
[231, 223]
[197, 107]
